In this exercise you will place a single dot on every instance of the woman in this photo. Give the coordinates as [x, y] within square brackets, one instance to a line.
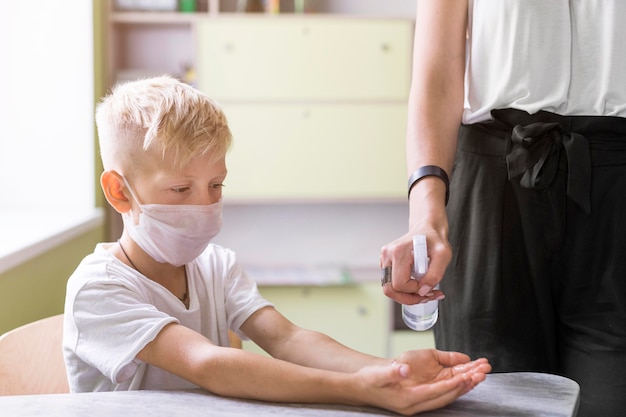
[523, 102]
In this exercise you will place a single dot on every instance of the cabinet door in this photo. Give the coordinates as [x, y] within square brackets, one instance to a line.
[304, 59]
[355, 315]
[314, 152]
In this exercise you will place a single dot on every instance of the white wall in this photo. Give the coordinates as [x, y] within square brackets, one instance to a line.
[46, 105]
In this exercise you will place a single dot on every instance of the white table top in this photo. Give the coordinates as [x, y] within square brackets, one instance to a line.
[512, 394]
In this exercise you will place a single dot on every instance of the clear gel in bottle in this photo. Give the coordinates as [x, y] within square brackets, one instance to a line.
[422, 316]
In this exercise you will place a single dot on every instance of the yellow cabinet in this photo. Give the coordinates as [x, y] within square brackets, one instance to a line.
[303, 151]
[317, 106]
[355, 315]
[304, 59]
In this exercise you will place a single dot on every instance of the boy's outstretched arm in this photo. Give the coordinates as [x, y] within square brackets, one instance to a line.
[237, 373]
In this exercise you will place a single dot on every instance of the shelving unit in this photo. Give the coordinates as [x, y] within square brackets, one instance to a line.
[143, 42]
[373, 8]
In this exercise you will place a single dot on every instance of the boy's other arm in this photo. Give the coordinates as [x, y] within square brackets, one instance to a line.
[279, 337]
[237, 373]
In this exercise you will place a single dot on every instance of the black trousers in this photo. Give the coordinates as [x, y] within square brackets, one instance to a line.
[537, 281]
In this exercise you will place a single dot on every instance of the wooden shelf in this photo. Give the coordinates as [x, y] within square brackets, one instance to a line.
[155, 17]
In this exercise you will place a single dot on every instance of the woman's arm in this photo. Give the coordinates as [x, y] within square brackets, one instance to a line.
[435, 111]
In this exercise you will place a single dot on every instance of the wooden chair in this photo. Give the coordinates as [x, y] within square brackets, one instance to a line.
[235, 341]
[31, 359]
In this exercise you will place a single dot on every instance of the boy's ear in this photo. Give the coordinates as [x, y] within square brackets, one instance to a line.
[113, 186]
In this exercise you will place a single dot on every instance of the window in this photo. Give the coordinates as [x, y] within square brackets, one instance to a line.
[46, 121]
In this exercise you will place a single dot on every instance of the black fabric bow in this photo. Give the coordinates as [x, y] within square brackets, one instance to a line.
[535, 157]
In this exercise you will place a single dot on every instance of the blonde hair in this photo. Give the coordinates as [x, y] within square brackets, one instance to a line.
[161, 114]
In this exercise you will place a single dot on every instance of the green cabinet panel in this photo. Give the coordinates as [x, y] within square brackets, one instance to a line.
[304, 58]
[316, 151]
[317, 106]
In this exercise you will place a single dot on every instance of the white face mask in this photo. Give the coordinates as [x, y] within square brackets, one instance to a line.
[174, 234]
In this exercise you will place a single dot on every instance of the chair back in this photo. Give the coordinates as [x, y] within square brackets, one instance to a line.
[31, 359]
[235, 341]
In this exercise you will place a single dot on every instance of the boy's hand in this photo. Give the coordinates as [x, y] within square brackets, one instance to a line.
[422, 380]
[429, 365]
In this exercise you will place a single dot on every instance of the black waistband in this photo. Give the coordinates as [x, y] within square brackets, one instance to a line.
[532, 143]
[606, 134]
[590, 126]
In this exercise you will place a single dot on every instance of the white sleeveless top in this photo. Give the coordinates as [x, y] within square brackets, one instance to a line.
[562, 56]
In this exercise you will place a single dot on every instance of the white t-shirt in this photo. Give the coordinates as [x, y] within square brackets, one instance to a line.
[112, 312]
[562, 56]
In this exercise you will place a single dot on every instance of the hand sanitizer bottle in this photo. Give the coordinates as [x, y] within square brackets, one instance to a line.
[420, 316]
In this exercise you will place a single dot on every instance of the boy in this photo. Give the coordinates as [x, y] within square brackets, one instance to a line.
[153, 310]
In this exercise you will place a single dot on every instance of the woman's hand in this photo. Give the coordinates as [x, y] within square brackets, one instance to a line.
[399, 256]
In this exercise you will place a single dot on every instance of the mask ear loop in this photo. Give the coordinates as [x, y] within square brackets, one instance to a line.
[128, 215]
[130, 189]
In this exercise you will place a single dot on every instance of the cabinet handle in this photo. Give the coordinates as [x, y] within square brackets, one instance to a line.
[385, 47]
[229, 47]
